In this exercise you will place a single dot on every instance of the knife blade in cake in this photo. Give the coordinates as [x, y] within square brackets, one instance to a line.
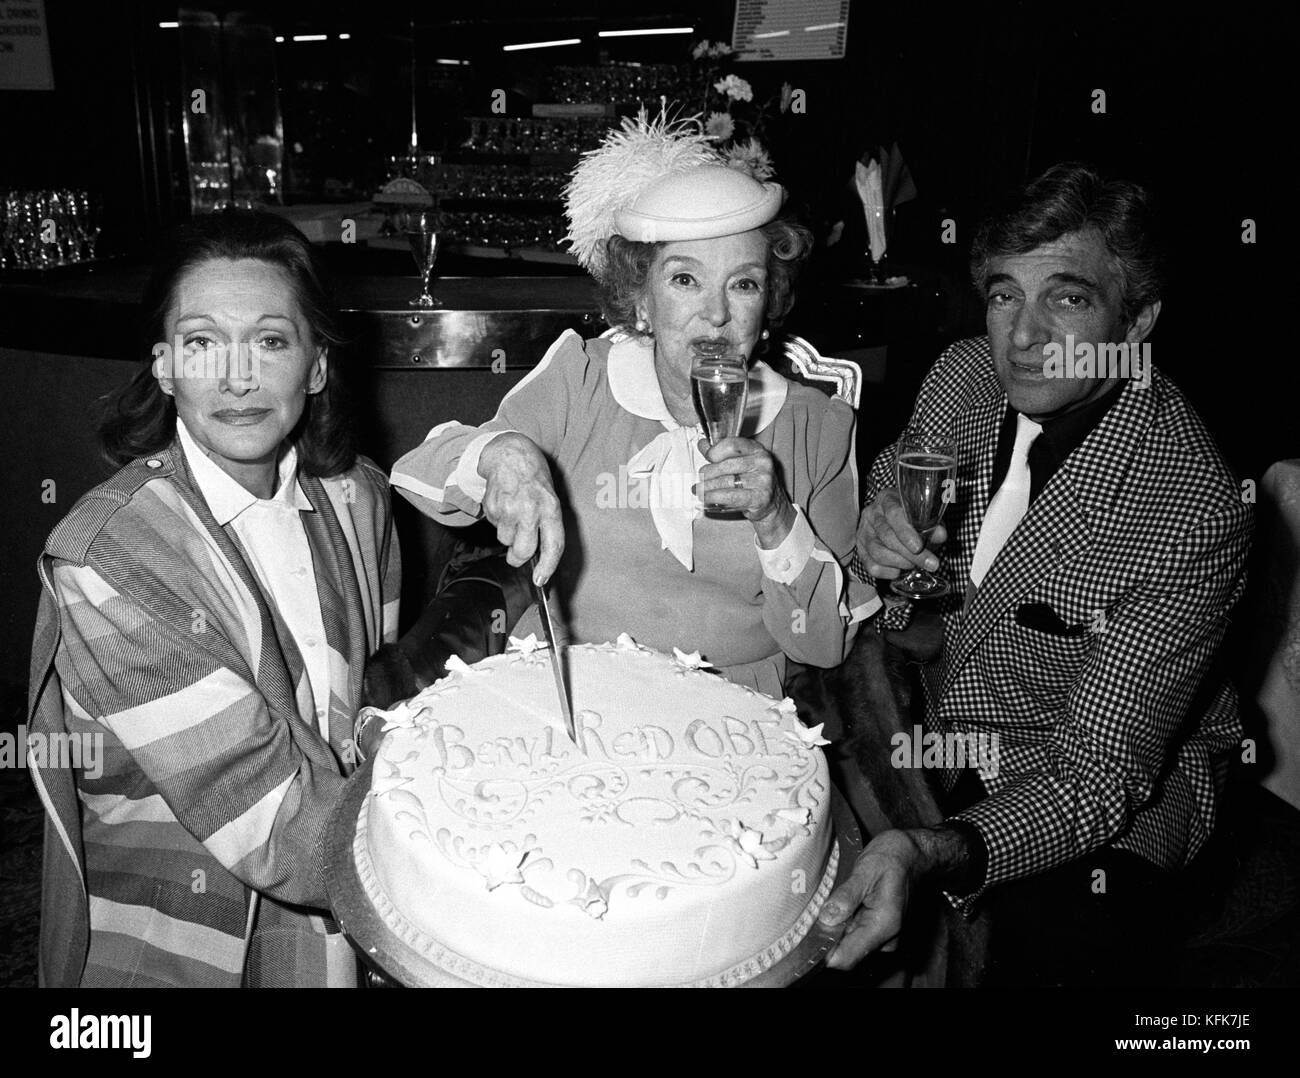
[557, 663]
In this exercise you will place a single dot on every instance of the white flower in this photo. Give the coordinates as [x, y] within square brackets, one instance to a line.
[750, 157]
[806, 738]
[592, 900]
[500, 865]
[700, 51]
[735, 88]
[721, 49]
[749, 843]
[813, 736]
[720, 125]
[527, 645]
[785, 708]
[399, 718]
[693, 661]
[456, 665]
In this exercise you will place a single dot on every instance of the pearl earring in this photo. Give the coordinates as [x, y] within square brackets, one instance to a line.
[765, 334]
[642, 326]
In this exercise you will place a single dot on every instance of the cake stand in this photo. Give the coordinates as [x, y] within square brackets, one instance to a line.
[394, 960]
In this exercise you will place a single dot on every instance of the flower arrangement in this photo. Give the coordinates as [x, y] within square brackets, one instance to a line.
[737, 123]
[711, 50]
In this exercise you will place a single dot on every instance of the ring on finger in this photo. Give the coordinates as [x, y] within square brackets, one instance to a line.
[736, 481]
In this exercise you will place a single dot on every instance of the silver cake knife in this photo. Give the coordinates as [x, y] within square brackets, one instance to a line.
[557, 661]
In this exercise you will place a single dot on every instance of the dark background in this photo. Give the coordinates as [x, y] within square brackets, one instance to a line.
[978, 99]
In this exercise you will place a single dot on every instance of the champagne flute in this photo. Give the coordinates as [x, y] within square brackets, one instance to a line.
[926, 469]
[719, 384]
[421, 228]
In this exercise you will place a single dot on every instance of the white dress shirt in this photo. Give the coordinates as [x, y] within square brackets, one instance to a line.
[275, 541]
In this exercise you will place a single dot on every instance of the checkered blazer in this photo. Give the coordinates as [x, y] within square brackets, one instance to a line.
[1113, 722]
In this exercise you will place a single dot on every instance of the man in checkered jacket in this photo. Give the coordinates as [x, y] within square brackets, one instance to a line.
[1088, 602]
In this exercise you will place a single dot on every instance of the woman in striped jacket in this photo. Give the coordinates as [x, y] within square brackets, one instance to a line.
[205, 618]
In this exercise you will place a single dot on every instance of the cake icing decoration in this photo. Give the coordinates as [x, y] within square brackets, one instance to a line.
[499, 865]
[591, 898]
[749, 843]
[805, 737]
[387, 778]
[693, 661]
[527, 645]
[785, 708]
[456, 665]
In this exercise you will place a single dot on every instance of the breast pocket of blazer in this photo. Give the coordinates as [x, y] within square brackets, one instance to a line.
[1045, 649]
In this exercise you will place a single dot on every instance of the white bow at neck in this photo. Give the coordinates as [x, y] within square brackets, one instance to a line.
[671, 461]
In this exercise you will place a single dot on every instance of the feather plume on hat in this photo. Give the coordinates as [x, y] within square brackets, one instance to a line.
[609, 178]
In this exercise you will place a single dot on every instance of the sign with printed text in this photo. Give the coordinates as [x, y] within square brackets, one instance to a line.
[24, 46]
[790, 29]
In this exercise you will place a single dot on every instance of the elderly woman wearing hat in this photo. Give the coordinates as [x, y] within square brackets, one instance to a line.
[596, 462]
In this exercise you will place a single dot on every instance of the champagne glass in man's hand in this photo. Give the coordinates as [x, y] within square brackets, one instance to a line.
[926, 472]
[719, 383]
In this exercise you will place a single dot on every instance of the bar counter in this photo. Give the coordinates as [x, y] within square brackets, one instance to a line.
[77, 311]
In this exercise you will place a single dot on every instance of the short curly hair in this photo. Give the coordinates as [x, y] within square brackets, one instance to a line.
[627, 272]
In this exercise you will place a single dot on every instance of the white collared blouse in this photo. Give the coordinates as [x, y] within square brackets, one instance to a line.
[275, 543]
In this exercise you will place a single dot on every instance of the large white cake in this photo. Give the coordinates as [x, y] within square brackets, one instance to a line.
[687, 842]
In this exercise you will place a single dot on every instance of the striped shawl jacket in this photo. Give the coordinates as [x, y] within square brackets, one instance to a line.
[195, 857]
[1113, 724]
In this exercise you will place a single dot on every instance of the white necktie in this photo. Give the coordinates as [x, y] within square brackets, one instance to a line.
[1009, 504]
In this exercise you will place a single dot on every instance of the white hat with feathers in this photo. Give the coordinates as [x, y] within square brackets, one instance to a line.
[663, 179]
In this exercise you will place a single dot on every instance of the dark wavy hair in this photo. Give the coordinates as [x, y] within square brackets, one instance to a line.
[140, 419]
[1073, 197]
[629, 261]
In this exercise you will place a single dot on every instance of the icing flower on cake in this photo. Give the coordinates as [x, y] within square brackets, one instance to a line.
[456, 665]
[693, 661]
[749, 843]
[593, 901]
[807, 738]
[785, 708]
[404, 716]
[500, 865]
[527, 645]
[626, 643]
[800, 815]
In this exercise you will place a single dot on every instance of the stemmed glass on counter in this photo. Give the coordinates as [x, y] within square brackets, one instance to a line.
[421, 231]
[720, 384]
[926, 472]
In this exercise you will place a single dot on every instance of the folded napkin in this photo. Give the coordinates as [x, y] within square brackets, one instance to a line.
[866, 181]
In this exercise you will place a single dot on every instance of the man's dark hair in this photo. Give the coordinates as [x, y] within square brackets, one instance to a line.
[1073, 197]
[141, 419]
